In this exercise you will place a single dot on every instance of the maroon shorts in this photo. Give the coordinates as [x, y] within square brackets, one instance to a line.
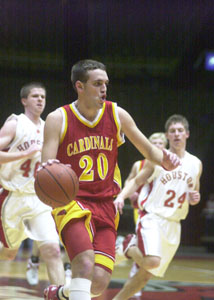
[85, 225]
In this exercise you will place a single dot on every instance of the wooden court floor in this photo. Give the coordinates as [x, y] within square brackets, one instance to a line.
[189, 277]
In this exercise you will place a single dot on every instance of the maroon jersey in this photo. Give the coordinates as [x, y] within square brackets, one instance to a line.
[92, 148]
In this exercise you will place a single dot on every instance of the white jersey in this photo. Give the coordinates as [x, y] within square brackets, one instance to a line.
[168, 195]
[18, 175]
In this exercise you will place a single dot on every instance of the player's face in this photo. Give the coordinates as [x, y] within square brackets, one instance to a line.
[158, 143]
[95, 89]
[35, 101]
[177, 136]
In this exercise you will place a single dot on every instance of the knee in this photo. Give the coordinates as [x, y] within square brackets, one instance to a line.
[50, 251]
[151, 262]
[100, 281]
[9, 256]
[98, 286]
[6, 254]
[86, 267]
[83, 265]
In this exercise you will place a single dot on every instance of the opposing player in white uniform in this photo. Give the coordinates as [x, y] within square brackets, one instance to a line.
[164, 201]
[158, 139]
[23, 215]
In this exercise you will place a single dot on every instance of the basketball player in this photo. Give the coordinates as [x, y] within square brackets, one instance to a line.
[23, 215]
[158, 228]
[158, 139]
[32, 272]
[86, 134]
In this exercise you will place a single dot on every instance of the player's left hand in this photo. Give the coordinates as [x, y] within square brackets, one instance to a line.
[194, 197]
[48, 163]
[119, 203]
[170, 160]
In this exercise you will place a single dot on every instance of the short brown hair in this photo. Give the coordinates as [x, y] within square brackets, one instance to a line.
[80, 70]
[26, 89]
[176, 119]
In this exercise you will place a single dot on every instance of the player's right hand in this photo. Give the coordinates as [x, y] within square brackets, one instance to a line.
[170, 160]
[194, 197]
[119, 204]
[51, 161]
[48, 163]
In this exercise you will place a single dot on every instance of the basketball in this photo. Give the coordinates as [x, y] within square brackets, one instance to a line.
[56, 184]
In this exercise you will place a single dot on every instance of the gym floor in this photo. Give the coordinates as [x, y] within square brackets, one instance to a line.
[189, 277]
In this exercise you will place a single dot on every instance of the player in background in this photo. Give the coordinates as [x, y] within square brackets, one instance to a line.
[158, 139]
[32, 272]
[23, 215]
[163, 203]
[87, 134]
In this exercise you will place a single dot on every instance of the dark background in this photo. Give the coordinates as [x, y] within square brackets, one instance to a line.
[154, 52]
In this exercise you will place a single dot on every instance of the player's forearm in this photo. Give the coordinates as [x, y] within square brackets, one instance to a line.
[48, 153]
[146, 148]
[138, 139]
[6, 157]
[129, 189]
[155, 155]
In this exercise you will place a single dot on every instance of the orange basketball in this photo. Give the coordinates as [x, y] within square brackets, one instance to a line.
[56, 184]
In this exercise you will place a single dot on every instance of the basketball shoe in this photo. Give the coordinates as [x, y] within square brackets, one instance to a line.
[68, 273]
[52, 293]
[32, 273]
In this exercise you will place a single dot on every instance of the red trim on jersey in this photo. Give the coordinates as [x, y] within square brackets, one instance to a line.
[142, 164]
[3, 196]
[104, 267]
[140, 168]
[144, 200]
[139, 236]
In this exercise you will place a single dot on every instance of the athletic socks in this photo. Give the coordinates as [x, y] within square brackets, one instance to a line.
[1, 246]
[62, 293]
[80, 288]
[34, 259]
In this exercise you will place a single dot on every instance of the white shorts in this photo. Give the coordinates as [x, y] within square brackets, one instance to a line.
[25, 216]
[158, 237]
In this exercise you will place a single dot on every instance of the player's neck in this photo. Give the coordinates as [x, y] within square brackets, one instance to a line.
[34, 118]
[180, 152]
[88, 113]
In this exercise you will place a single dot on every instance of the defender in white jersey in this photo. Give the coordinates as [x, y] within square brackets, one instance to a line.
[158, 139]
[22, 214]
[163, 201]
